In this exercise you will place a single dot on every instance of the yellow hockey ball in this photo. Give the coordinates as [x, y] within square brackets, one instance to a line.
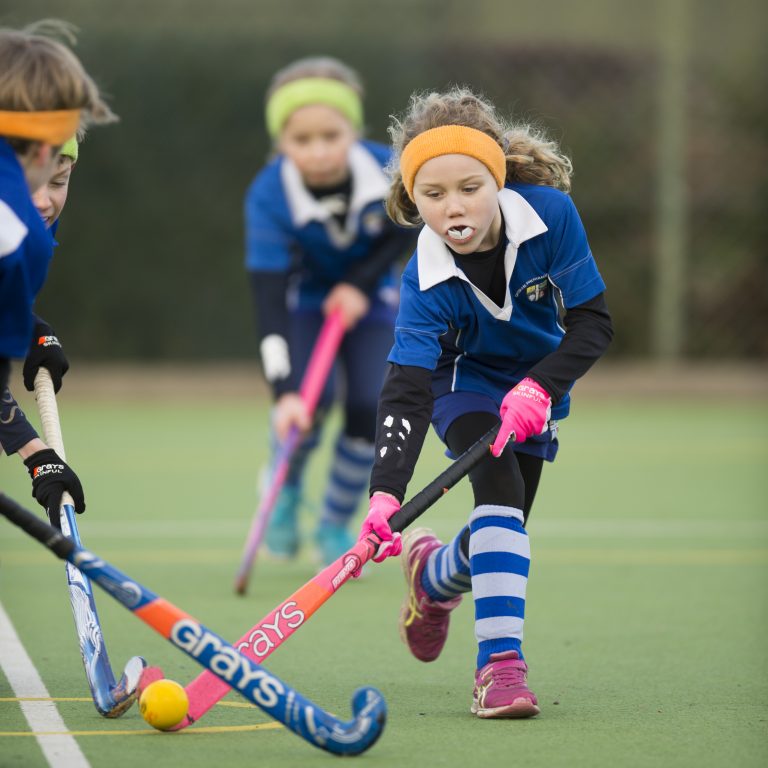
[163, 704]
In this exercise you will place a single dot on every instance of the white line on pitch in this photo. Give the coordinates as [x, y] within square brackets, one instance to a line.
[60, 749]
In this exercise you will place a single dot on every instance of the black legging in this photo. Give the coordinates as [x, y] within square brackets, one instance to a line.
[510, 480]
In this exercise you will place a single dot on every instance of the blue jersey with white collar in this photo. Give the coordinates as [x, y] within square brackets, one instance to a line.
[288, 230]
[26, 248]
[447, 325]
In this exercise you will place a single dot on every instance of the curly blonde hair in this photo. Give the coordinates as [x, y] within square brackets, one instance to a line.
[532, 158]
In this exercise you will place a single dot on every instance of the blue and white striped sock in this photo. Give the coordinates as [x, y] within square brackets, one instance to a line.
[499, 557]
[446, 573]
[349, 478]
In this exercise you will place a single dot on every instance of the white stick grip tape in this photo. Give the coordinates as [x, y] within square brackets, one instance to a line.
[49, 417]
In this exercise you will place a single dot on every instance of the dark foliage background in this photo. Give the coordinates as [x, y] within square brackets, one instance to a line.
[150, 261]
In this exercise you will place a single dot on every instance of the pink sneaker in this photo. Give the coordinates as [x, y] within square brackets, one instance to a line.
[423, 621]
[501, 688]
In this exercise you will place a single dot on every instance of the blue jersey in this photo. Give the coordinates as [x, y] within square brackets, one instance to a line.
[447, 325]
[288, 230]
[26, 248]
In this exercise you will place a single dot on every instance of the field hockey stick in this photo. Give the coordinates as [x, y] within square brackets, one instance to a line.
[312, 384]
[208, 649]
[110, 698]
[281, 622]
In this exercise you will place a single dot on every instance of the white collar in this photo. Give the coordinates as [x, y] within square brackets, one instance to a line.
[521, 223]
[369, 183]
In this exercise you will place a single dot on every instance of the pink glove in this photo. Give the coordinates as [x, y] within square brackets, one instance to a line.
[524, 412]
[382, 506]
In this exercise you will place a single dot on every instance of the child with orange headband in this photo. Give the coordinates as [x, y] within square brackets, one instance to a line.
[319, 241]
[17, 435]
[46, 97]
[501, 310]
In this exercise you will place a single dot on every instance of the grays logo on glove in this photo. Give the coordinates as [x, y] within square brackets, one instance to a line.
[45, 352]
[51, 476]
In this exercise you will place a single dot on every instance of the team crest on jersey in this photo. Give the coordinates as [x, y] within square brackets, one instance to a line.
[537, 291]
[373, 223]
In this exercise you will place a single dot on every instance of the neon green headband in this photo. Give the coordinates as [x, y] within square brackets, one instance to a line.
[312, 90]
[70, 149]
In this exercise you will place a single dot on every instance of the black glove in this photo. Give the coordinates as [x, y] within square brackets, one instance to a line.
[50, 478]
[45, 351]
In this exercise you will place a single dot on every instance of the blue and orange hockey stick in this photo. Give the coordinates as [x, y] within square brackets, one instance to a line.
[254, 682]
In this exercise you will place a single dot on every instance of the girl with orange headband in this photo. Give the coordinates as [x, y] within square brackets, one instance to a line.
[46, 97]
[319, 241]
[501, 310]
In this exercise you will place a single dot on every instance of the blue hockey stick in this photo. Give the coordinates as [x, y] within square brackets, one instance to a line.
[254, 682]
[111, 698]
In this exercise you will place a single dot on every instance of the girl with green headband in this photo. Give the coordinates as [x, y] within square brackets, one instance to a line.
[318, 241]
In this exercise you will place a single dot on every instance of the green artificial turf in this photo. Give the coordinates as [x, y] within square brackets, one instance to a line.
[646, 612]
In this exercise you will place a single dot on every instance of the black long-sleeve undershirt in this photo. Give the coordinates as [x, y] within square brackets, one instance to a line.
[15, 429]
[5, 372]
[588, 332]
[268, 292]
[402, 421]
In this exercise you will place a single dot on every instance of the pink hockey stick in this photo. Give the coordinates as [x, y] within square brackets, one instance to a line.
[281, 622]
[312, 384]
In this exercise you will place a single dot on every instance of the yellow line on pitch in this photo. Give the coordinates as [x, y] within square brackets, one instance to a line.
[152, 732]
[143, 732]
[233, 704]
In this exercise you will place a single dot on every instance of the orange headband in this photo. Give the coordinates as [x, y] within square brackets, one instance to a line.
[53, 127]
[452, 140]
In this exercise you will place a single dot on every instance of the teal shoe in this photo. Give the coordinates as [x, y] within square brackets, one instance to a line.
[332, 541]
[282, 537]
